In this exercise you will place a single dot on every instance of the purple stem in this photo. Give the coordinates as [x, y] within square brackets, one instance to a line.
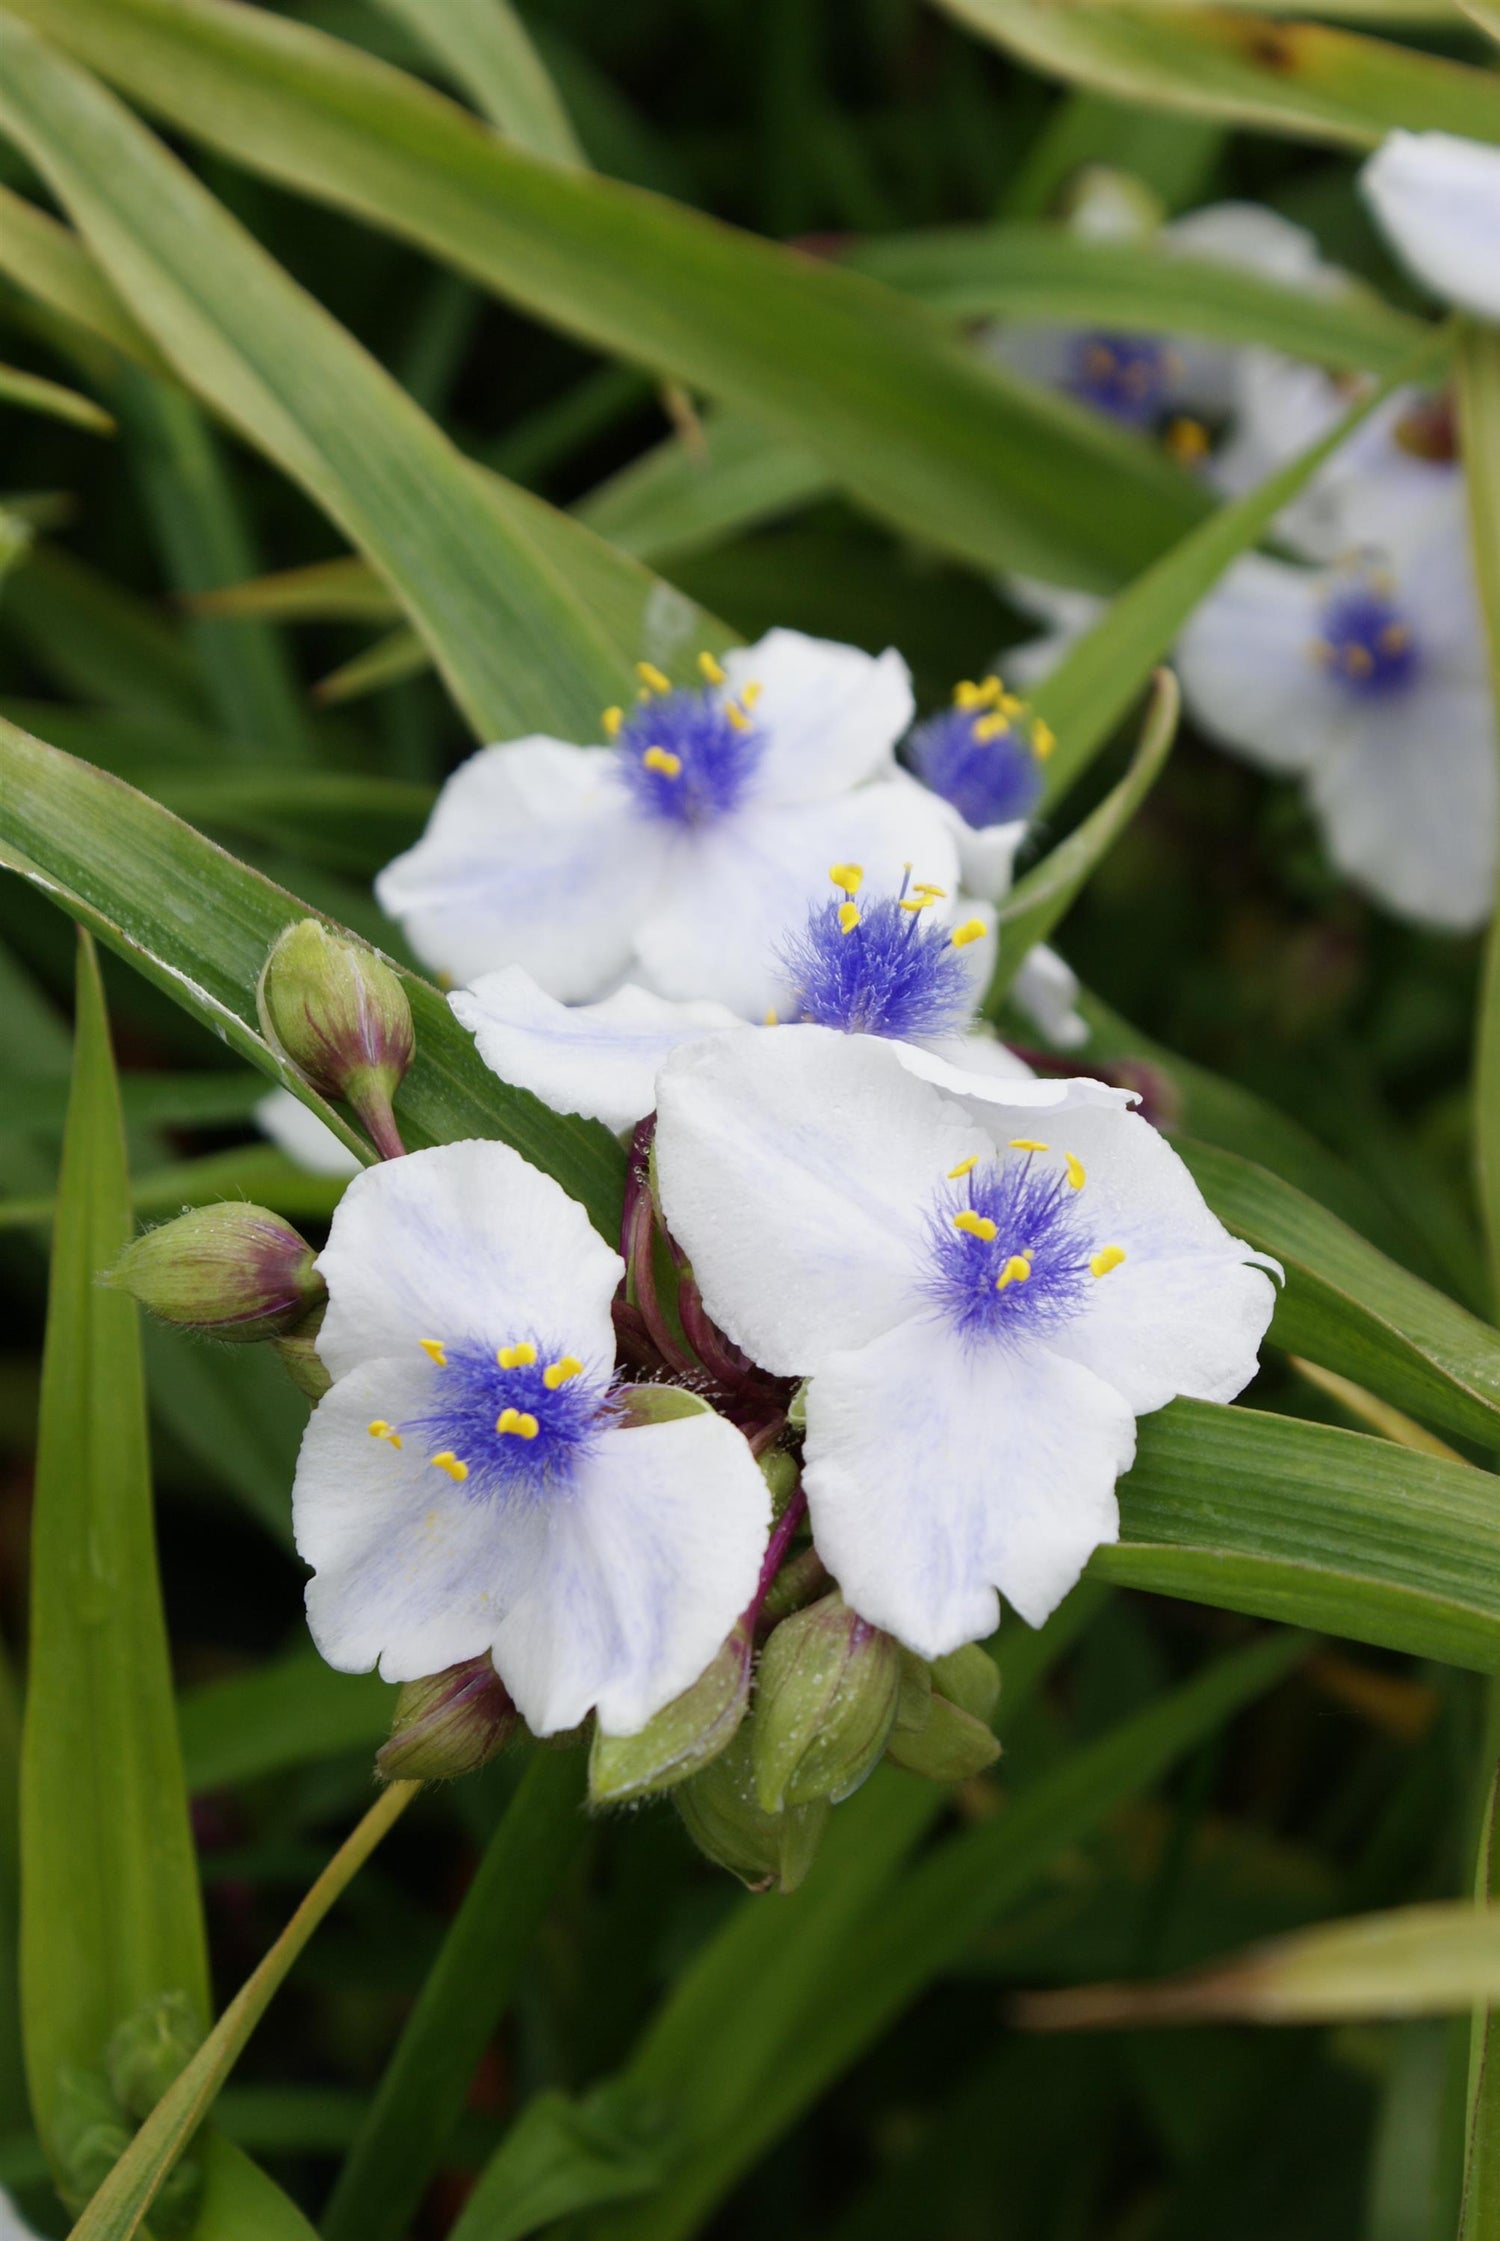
[776, 1547]
[643, 1277]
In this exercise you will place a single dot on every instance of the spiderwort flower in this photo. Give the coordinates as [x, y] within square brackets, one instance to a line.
[1368, 682]
[1438, 199]
[472, 1482]
[984, 756]
[984, 1289]
[679, 858]
[889, 966]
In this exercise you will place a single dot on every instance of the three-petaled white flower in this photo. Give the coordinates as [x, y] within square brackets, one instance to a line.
[1367, 681]
[985, 1288]
[679, 858]
[471, 1483]
[1438, 199]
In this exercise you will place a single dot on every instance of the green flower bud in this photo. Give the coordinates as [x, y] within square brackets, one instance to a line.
[723, 1817]
[684, 1736]
[950, 1746]
[229, 1271]
[782, 1474]
[969, 1678]
[825, 1701]
[179, 2199]
[340, 1014]
[149, 2051]
[450, 1724]
[89, 2135]
[299, 1356]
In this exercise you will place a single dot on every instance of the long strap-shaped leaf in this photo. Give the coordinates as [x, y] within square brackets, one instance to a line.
[200, 924]
[484, 46]
[532, 621]
[1308, 79]
[110, 1913]
[908, 419]
[1479, 404]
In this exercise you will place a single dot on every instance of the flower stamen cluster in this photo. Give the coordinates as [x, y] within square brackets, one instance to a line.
[984, 753]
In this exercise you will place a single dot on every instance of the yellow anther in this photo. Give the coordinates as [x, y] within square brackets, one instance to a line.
[925, 887]
[972, 930]
[770, 1019]
[851, 877]
[1015, 1271]
[993, 726]
[1077, 1175]
[848, 917]
[1043, 739]
[663, 759]
[434, 1347]
[380, 1430]
[1011, 704]
[915, 903]
[559, 1372]
[1358, 660]
[613, 719]
[735, 716]
[1395, 638]
[964, 1167]
[1027, 1144]
[454, 1465]
[976, 1225]
[1187, 440]
[652, 678]
[750, 694]
[713, 671]
[519, 1356]
[517, 1420]
[969, 695]
[1108, 1257]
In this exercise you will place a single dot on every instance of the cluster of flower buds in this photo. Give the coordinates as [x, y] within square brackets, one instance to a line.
[98, 2110]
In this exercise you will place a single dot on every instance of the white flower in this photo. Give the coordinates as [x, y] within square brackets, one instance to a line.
[308, 1142]
[468, 1484]
[1046, 990]
[983, 1298]
[1368, 681]
[680, 858]
[889, 966]
[1438, 199]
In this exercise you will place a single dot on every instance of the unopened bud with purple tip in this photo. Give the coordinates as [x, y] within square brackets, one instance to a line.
[230, 1271]
[450, 1724]
[340, 1014]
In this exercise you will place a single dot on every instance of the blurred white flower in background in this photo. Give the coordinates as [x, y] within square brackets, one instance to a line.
[1438, 199]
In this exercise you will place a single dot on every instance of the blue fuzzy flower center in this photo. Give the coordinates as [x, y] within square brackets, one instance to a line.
[1367, 646]
[687, 757]
[984, 754]
[1008, 1254]
[879, 969]
[1129, 377]
[506, 1421]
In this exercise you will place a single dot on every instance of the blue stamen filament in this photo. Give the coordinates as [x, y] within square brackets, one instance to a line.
[688, 756]
[514, 1420]
[1127, 377]
[880, 969]
[1007, 1254]
[1366, 646]
[984, 754]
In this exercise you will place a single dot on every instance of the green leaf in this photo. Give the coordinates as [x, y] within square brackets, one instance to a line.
[1096, 681]
[267, 1177]
[1345, 1305]
[102, 643]
[117, 2210]
[326, 591]
[241, 2204]
[399, 654]
[110, 1909]
[467, 1991]
[485, 49]
[1480, 2216]
[1285, 1519]
[1479, 409]
[1306, 79]
[532, 622]
[673, 501]
[900, 411]
[1037, 901]
[1050, 273]
[560, 2157]
[290, 1713]
[32, 394]
[200, 925]
[51, 263]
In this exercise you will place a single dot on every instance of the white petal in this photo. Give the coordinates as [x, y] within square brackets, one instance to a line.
[463, 1241]
[13, 2226]
[1046, 990]
[1438, 198]
[978, 1089]
[1187, 1309]
[1247, 671]
[1255, 239]
[303, 1137]
[1409, 802]
[830, 714]
[796, 1168]
[533, 857]
[987, 856]
[750, 884]
[936, 1473]
[981, 1052]
[647, 1565]
[411, 1570]
[598, 1059]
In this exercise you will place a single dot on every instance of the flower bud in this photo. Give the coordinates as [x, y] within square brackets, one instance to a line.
[969, 1678]
[89, 2135]
[230, 1271]
[340, 1014]
[723, 1817]
[684, 1736]
[149, 2051]
[782, 1474]
[949, 1746]
[450, 1724]
[179, 2198]
[298, 1353]
[826, 1698]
